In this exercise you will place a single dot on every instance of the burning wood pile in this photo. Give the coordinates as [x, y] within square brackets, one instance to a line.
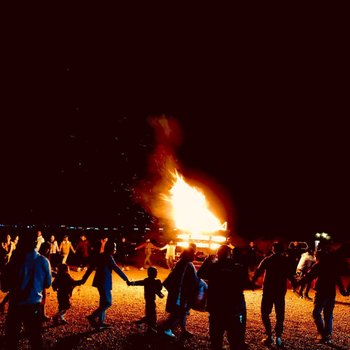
[192, 217]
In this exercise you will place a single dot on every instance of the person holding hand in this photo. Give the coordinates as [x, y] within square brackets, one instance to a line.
[105, 265]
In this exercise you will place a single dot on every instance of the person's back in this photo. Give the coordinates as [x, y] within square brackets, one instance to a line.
[181, 284]
[64, 284]
[306, 261]
[327, 277]
[277, 270]
[26, 277]
[152, 287]
[226, 281]
[326, 271]
[105, 264]
[103, 275]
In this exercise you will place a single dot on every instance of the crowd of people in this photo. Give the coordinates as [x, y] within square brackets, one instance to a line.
[26, 273]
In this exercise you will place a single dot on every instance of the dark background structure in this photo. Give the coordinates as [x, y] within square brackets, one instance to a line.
[262, 106]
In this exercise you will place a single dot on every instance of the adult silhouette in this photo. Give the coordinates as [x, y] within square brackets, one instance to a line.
[25, 278]
[277, 269]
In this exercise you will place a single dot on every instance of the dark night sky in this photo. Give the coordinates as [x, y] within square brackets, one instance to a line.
[263, 113]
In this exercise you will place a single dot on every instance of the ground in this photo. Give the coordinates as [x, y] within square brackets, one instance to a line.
[128, 306]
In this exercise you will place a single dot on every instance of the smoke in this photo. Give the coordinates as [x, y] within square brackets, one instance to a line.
[161, 163]
[154, 190]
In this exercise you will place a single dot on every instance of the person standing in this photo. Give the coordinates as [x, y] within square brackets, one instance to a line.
[12, 246]
[170, 254]
[123, 253]
[148, 249]
[65, 247]
[8, 247]
[252, 258]
[54, 250]
[64, 285]
[227, 279]
[325, 270]
[152, 287]
[83, 249]
[39, 241]
[26, 277]
[306, 261]
[277, 269]
[181, 284]
[105, 265]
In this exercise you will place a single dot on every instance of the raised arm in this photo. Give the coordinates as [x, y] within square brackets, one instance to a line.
[118, 270]
[260, 270]
[138, 283]
[88, 272]
[140, 246]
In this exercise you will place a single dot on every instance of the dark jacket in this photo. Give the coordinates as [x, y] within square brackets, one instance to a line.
[152, 287]
[328, 278]
[181, 284]
[277, 270]
[64, 285]
[226, 282]
[105, 264]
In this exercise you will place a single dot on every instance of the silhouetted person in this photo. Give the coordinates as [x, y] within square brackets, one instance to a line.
[82, 251]
[181, 284]
[152, 287]
[148, 247]
[26, 277]
[227, 279]
[252, 258]
[105, 265]
[277, 269]
[64, 285]
[326, 271]
[44, 251]
[294, 253]
[123, 253]
[96, 250]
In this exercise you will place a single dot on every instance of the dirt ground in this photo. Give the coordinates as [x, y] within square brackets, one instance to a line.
[128, 306]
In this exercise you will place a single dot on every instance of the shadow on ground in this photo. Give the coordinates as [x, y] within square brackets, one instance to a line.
[72, 341]
[142, 341]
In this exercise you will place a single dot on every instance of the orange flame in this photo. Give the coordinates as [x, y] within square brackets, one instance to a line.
[190, 209]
